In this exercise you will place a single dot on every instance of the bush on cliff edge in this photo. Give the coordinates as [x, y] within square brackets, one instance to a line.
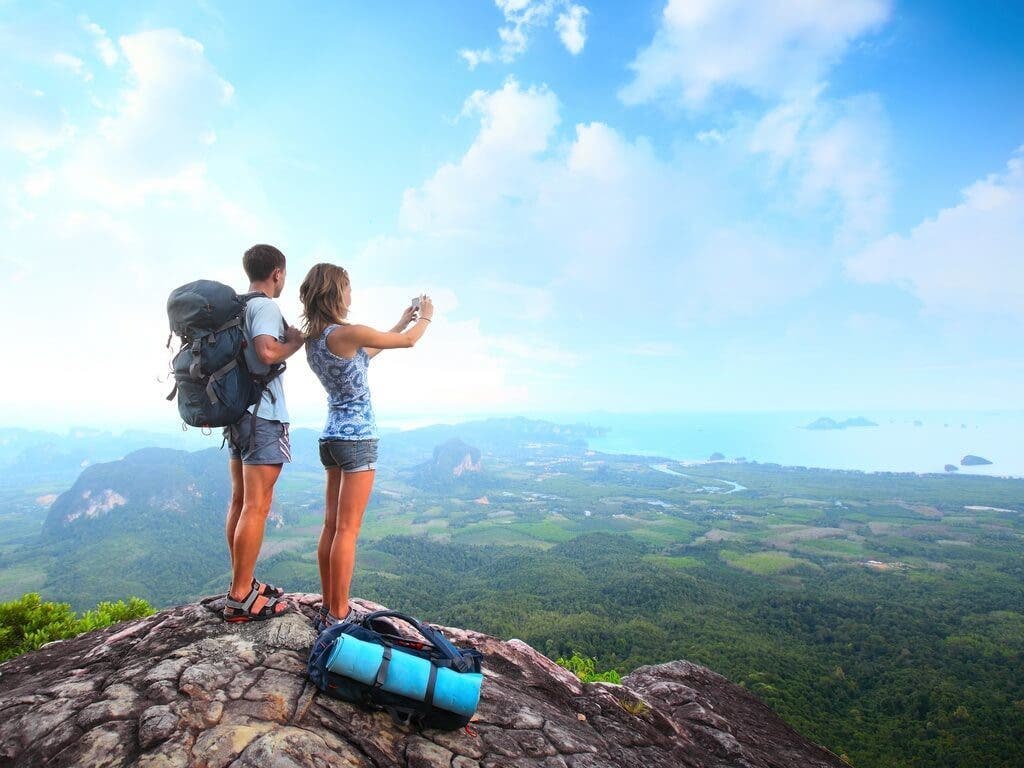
[30, 622]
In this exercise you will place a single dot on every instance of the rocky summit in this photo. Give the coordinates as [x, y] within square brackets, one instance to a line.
[184, 688]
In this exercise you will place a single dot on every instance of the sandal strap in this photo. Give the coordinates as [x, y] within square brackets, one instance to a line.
[250, 600]
[266, 588]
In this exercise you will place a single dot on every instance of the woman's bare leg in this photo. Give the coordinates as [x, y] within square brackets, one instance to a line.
[355, 493]
[323, 550]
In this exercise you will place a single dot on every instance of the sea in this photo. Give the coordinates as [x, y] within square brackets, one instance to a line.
[902, 442]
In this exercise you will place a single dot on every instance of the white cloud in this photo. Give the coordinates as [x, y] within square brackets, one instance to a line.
[740, 272]
[104, 46]
[476, 58]
[522, 17]
[515, 127]
[72, 64]
[830, 151]
[38, 183]
[587, 221]
[654, 349]
[127, 205]
[711, 136]
[572, 28]
[966, 259]
[152, 143]
[769, 49]
[36, 140]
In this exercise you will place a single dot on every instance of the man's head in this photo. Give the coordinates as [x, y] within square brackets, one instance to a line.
[265, 266]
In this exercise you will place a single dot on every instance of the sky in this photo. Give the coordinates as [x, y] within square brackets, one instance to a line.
[692, 205]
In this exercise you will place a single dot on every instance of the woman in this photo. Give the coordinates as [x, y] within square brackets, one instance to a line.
[339, 353]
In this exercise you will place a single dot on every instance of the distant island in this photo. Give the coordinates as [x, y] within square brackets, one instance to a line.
[952, 468]
[973, 461]
[826, 423]
[716, 457]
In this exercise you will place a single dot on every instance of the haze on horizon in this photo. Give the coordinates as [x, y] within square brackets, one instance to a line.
[665, 207]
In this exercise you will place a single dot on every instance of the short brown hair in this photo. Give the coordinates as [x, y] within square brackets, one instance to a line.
[323, 301]
[260, 261]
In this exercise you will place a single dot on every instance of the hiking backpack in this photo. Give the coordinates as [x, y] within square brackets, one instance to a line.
[213, 384]
[448, 677]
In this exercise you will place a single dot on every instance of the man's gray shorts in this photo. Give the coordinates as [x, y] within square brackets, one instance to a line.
[271, 446]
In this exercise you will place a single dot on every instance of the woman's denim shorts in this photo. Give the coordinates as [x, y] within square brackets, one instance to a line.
[349, 455]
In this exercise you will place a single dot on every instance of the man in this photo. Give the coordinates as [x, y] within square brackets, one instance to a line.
[258, 442]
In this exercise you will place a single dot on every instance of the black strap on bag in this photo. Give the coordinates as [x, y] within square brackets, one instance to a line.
[382, 670]
[445, 648]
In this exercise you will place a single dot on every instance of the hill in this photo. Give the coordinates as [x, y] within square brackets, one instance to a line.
[184, 688]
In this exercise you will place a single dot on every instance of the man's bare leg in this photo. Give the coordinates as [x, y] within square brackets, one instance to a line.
[235, 506]
[355, 493]
[258, 481]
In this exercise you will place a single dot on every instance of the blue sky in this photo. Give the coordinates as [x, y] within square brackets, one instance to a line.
[699, 205]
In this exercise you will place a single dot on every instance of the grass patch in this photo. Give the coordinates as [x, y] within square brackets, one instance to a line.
[684, 562]
[667, 531]
[548, 530]
[761, 563]
[835, 547]
[496, 533]
[16, 580]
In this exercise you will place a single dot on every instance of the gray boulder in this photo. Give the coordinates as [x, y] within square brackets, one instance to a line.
[184, 688]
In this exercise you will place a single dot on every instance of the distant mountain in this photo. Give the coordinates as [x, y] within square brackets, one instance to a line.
[826, 423]
[454, 463]
[36, 455]
[510, 437]
[150, 524]
[453, 458]
[973, 461]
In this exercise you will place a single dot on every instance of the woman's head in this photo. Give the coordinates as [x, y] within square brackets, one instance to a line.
[325, 295]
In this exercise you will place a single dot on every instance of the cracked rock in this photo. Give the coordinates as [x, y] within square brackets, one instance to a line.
[183, 688]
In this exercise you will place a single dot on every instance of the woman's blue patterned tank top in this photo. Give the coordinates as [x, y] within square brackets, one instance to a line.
[349, 412]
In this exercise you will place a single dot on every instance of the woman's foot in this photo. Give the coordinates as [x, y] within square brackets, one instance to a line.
[353, 616]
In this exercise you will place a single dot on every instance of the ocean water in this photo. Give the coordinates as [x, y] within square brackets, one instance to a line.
[902, 442]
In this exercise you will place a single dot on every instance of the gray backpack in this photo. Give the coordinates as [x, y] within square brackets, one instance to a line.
[213, 384]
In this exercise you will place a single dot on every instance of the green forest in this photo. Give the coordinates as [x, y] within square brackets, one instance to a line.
[881, 614]
[909, 669]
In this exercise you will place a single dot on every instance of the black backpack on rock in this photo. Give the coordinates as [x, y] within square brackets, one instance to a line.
[213, 384]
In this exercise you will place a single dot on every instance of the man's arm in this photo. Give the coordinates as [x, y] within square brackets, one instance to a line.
[265, 323]
[270, 351]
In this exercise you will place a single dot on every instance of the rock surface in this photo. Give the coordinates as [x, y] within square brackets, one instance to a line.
[183, 688]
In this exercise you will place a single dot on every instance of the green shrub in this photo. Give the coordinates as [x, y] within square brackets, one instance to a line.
[584, 668]
[28, 622]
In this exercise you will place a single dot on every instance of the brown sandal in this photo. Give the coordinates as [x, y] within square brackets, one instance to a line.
[267, 589]
[255, 607]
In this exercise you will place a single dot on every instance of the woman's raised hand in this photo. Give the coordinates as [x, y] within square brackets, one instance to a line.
[407, 317]
[426, 307]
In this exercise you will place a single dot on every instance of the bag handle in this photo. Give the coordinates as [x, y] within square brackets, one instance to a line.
[435, 638]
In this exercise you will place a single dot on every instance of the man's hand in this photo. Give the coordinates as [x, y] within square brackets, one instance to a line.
[293, 337]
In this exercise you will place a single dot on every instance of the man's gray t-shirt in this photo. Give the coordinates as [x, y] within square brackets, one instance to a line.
[263, 318]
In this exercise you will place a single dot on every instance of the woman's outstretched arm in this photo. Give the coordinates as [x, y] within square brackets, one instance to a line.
[400, 326]
[345, 340]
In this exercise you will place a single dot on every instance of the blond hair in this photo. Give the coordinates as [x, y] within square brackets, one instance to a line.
[323, 301]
